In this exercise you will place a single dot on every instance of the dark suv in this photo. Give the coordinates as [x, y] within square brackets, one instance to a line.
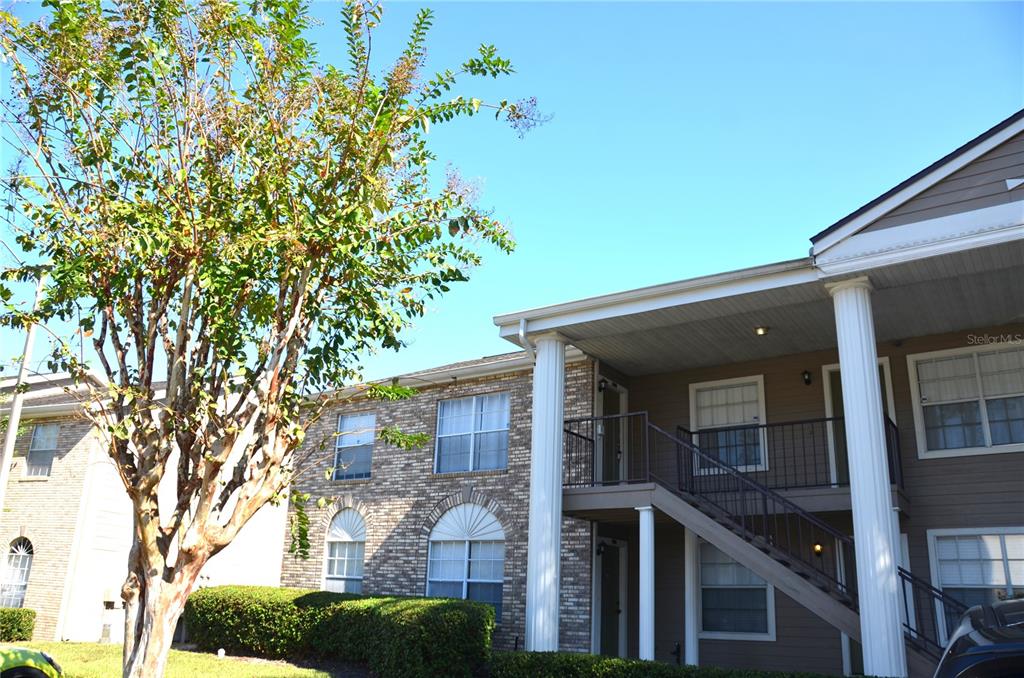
[989, 643]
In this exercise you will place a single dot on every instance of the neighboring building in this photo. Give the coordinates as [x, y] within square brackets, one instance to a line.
[450, 518]
[689, 468]
[66, 524]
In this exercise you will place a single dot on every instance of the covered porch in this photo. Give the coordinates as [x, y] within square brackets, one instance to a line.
[799, 383]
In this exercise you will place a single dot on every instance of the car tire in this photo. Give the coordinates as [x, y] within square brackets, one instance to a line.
[23, 672]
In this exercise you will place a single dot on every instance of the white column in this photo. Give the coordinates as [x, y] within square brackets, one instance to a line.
[691, 598]
[646, 582]
[543, 566]
[870, 493]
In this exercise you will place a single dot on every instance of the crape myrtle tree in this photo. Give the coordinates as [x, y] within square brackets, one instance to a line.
[232, 224]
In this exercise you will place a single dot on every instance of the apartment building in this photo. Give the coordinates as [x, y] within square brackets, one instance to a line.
[67, 523]
[811, 465]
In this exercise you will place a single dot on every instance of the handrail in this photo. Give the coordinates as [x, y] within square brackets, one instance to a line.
[927, 613]
[628, 449]
[751, 509]
[743, 478]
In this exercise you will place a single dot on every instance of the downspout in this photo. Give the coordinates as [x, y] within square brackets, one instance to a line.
[524, 341]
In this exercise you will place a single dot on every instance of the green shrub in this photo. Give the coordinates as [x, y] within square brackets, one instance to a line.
[570, 665]
[395, 636]
[16, 624]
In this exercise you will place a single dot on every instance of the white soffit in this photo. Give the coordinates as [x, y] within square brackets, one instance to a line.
[928, 238]
[647, 299]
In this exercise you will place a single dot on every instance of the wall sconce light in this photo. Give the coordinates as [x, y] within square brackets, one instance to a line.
[818, 549]
[602, 385]
[807, 377]
[761, 330]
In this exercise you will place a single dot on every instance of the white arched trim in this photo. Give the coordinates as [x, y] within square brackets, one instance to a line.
[347, 525]
[468, 522]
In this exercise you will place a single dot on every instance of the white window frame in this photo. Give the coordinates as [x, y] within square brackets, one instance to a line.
[468, 523]
[466, 579]
[762, 420]
[32, 448]
[734, 635]
[472, 434]
[915, 397]
[338, 447]
[22, 583]
[326, 576]
[933, 561]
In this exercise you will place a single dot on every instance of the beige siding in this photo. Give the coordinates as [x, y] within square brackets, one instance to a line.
[981, 183]
[803, 642]
[970, 491]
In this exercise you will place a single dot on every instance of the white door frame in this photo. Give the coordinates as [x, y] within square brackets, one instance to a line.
[826, 382]
[595, 616]
[623, 431]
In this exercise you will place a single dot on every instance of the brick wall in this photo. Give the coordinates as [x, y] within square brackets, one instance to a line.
[45, 511]
[404, 498]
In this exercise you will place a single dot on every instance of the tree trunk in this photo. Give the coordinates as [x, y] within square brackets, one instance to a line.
[152, 608]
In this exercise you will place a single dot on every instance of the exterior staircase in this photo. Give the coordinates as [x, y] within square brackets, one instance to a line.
[794, 550]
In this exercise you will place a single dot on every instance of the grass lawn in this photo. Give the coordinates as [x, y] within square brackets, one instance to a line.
[94, 660]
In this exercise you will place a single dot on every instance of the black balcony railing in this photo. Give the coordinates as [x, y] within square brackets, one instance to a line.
[792, 454]
[629, 449]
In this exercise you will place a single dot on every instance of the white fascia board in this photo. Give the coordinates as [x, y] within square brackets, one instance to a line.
[922, 184]
[921, 239]
[44, 411]
[718, 286]
[516, 363]
[442, 375]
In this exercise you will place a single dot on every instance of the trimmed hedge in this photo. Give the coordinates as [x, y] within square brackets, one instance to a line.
[573, 665]
[16, 624]
[394, 636]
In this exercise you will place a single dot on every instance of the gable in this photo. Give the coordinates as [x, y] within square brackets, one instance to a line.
[982, 183]
[975, 166]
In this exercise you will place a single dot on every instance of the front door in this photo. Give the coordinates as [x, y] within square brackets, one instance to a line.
[611, 566]
[612, 434]
[834, 408]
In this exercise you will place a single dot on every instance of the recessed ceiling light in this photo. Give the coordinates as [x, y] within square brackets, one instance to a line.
[761, 331]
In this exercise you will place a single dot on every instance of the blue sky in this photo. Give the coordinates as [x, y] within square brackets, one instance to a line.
[689, 138]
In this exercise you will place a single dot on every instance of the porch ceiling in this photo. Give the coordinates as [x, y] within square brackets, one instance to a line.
[972, 289]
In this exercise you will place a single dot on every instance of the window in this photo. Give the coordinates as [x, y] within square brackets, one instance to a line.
[472, 433]
[354, 446]
[978, 567]
[41, 450]
[734, 602]
[968, 402]
[346, 541]
[467, 556]
[19, 565]
[727, 418]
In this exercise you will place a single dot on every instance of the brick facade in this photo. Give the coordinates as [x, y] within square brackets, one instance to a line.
[404, 498]
[45, 510]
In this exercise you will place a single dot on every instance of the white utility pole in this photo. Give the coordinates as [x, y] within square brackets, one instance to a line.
[14, 416]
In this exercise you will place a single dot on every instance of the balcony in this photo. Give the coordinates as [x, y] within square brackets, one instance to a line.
[804, 460]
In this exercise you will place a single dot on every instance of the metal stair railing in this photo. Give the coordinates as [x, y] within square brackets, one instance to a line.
[627, 448]
[929, 614]
[782, 528]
